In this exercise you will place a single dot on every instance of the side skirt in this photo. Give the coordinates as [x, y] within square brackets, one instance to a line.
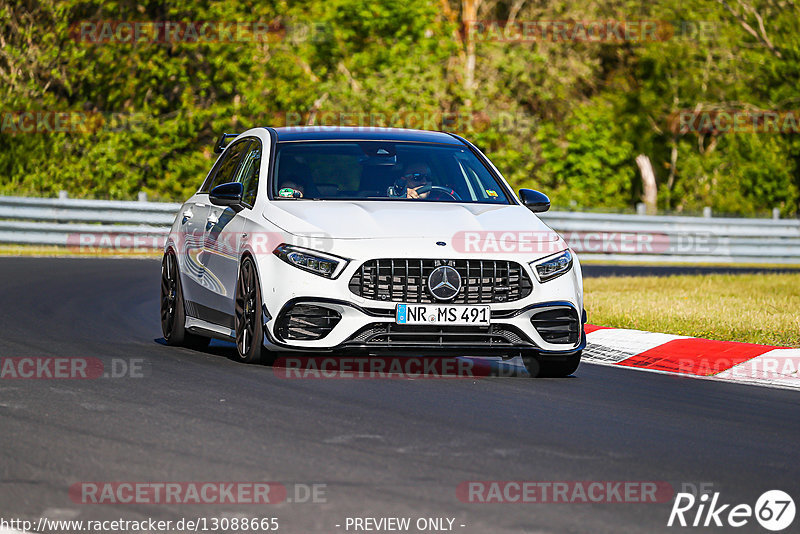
[204, 328]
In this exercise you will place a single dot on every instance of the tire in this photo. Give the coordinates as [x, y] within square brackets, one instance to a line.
[173, 314]
[248, 326]
[552, 367]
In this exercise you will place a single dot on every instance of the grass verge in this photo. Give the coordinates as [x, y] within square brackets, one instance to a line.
[754, 308]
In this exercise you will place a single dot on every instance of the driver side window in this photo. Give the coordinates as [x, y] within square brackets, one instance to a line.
[229, 163]
[248, 173]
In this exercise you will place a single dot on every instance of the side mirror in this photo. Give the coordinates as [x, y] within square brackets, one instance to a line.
[229, 194]
[534, 200]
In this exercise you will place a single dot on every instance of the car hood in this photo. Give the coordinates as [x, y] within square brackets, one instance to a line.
[408, 219]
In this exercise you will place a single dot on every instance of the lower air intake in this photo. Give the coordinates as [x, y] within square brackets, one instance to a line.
[559, 325]
[305, 322]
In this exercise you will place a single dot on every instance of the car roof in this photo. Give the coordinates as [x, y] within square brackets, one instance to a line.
[365, 133]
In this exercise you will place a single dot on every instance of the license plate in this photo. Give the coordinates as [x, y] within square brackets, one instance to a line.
[438, 314]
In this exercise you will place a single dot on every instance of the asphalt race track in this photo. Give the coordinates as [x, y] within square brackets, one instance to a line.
[382, 447]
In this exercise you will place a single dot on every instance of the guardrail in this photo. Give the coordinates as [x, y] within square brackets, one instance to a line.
[678, 239]
[126, 225]
[66, 222]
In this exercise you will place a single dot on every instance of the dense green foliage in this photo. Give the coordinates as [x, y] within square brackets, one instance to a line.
[567, 116]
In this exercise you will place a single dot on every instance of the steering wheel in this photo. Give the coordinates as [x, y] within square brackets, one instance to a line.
[398, 189]
[438, 191]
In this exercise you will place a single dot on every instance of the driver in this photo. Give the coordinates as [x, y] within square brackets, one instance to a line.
[417, 176]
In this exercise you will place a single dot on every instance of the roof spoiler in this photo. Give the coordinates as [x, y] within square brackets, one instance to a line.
[223, 142]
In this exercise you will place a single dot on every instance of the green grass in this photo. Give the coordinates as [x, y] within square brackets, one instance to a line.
[754, 308]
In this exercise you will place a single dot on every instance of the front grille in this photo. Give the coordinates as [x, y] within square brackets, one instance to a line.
[390, 334]
[559, 325]
[406, 280]
[304, 322]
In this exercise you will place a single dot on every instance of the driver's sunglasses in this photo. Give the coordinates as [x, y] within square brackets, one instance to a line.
[417, 177]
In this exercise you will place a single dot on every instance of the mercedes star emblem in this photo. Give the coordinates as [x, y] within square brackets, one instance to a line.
[444, 282]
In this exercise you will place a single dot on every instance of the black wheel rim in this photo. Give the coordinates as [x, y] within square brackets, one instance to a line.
[246, 309]
[169, 292]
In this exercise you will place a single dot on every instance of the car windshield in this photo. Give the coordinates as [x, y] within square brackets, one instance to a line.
[378, 170]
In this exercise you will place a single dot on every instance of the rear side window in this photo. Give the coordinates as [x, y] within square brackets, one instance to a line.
[227, 166]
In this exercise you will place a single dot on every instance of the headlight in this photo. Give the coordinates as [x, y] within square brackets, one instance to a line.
[552, 267]
[326, 265]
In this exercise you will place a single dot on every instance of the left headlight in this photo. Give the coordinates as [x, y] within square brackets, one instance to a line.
[320, 263]
[552, 267]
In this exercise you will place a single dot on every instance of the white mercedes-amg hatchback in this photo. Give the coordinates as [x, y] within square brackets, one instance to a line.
[371, 240]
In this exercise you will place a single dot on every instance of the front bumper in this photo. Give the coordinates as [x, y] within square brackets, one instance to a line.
[368, 326]
[508, 335]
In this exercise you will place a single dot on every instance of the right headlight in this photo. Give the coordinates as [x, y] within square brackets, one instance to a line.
[552, 267]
